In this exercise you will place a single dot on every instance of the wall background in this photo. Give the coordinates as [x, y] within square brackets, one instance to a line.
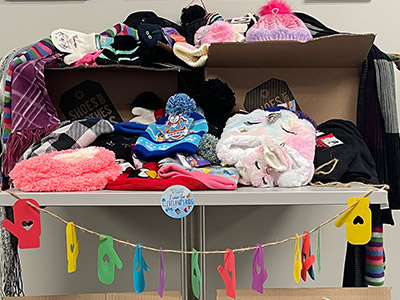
[44, 270]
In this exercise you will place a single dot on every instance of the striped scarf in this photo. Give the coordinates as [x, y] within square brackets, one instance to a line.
[375, 258]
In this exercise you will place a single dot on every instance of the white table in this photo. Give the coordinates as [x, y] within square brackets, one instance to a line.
[193, 226]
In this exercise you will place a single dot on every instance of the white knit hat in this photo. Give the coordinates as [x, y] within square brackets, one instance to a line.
[193, 56]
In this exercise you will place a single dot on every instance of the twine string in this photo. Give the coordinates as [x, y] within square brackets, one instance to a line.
[237, 250]
[319, 171]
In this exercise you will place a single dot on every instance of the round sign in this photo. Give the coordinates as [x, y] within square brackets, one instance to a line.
[177, 201]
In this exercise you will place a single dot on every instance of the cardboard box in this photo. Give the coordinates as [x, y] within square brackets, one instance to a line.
[171, 295]
[121, 84]
[323, 74]
[370, 293]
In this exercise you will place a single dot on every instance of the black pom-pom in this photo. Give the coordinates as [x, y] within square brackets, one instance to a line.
[216, 98]
[148, 100]
[192, 13]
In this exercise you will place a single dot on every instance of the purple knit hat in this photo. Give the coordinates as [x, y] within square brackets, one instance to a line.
[277, 22]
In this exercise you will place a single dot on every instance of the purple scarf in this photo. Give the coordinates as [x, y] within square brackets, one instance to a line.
[33, 113]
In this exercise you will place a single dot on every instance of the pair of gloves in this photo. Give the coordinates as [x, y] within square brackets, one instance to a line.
[78, 44]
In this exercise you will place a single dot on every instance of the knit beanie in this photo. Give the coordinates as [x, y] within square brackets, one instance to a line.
[150, 35]
[277, 22]
[125, 50]
[191, 55]
[180, 131]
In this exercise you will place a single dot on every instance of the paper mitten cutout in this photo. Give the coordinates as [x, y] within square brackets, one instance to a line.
[26, 226]
[107, 260]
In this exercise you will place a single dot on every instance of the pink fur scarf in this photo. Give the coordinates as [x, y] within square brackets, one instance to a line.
[84, 169]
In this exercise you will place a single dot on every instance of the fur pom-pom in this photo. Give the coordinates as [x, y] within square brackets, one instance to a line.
[218, 32]
[275, 7]
[180, 104]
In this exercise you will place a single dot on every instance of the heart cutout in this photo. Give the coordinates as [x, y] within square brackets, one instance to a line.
[358, 220]
[72, 247]
[106, 258]
[27, 224]
[230, 274]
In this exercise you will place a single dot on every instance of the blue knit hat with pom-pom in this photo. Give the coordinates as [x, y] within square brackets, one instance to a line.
[180, 131]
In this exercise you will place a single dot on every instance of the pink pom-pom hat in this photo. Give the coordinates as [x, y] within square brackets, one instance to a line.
[277, 22]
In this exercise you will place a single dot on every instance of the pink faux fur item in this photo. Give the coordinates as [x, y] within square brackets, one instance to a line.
[85, 169]
[218, 32]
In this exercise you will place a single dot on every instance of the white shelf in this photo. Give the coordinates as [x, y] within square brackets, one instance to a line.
[242, 196]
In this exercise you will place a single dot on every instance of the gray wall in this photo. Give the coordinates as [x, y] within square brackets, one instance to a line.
[44, 269]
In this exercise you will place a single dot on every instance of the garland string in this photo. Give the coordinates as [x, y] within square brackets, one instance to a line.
[238, 250]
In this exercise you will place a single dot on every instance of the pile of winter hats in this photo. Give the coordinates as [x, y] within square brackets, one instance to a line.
[275, 22]
[145, 38]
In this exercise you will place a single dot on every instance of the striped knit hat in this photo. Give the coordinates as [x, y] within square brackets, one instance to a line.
[125, 50]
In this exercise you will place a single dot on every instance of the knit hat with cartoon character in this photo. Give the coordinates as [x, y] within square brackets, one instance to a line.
[180, 131]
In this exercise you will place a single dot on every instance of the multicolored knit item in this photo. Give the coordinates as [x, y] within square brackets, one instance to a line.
[395, 58]
[207, 148]
[213, 17]
[374, 258]
[124, 50]
[120, 29]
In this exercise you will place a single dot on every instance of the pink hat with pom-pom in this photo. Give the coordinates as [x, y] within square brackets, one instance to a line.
[277, 22]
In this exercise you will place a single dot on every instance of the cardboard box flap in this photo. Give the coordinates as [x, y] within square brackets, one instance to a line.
[117, 68]
[334, 51]
[370, 293]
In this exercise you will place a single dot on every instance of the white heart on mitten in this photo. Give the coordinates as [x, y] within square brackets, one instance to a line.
[76, 43]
